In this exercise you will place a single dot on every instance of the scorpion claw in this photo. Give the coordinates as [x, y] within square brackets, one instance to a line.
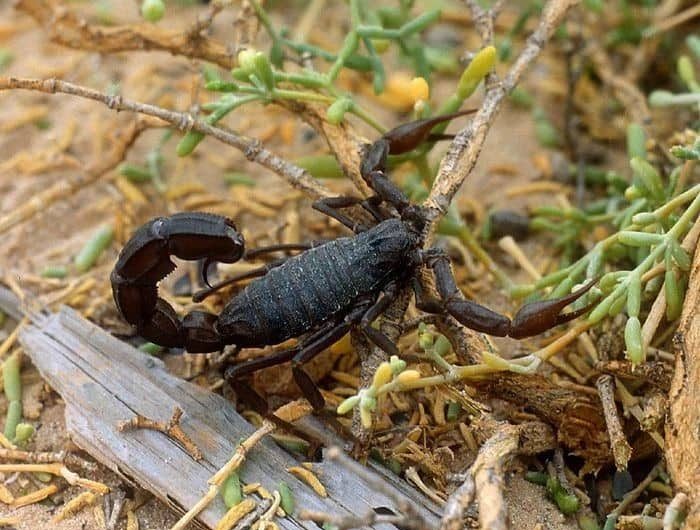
[536, 317]
[408, 136]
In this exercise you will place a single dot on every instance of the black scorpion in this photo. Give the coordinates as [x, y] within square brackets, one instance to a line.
[319, 294]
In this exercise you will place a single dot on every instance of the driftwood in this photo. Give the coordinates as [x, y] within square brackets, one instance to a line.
[683, 442]
[103, 381]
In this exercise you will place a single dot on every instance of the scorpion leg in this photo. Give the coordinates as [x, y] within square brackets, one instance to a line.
[239, 370]
[233, 374]
[377, 337]
[532, 319]
[313, 348]
[372, 169]
[330, 206]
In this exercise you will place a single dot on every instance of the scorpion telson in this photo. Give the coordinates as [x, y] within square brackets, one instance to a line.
[319, 294]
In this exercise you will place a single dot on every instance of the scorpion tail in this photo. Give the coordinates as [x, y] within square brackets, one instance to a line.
[145, 260]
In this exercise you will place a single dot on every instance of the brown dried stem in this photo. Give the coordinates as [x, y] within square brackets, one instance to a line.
[252, 148]
[620, 447]
[68, 29]
[630, 96]
[170, 428]
[465, 148]
[58, 470]
[484, 478]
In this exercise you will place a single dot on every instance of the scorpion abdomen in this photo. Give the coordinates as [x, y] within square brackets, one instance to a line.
[319, 285]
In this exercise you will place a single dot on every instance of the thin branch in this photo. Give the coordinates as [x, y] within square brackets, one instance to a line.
[252, 148]
[465, 148]
[71, 30]
[171, 428]
[620, 447]
[484, 478]
[68, 29]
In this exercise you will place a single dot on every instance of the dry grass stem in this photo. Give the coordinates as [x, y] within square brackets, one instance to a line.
[218, 479]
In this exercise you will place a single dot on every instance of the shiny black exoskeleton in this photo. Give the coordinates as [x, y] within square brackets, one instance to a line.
[322, 292]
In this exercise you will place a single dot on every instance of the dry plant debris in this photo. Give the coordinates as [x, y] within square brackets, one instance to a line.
[600, 390]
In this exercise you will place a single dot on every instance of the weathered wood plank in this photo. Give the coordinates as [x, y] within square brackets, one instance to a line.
[103, 381]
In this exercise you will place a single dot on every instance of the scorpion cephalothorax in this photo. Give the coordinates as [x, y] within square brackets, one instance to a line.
[319, 294]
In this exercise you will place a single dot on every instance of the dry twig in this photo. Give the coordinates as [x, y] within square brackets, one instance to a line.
[630, 96]
[218, 479]
[68, 29]
[620, 448]
[484, 478]
[170, 428]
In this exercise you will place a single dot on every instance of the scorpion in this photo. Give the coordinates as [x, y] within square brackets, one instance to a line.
[322, 292]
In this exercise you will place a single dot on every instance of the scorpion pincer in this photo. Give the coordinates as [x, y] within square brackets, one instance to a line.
[322, 292]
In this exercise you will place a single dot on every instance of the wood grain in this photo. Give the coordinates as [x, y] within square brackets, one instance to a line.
[683, 421]
[103, 381]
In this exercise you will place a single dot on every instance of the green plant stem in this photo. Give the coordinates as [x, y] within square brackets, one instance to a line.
[678, 200]
[281, 93]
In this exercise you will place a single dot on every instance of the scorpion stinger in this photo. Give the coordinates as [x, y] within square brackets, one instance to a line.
[145, 260]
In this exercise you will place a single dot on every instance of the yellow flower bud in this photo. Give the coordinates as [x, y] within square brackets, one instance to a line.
[383, 375]
[418, 89]
[408, 376]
